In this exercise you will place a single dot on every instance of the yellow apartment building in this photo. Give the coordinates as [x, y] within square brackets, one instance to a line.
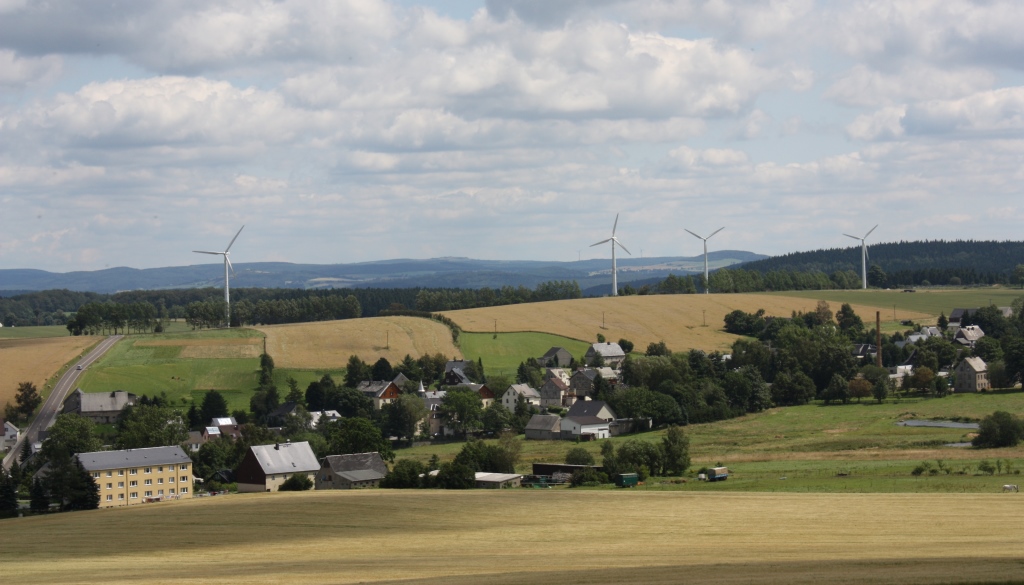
[137, 476]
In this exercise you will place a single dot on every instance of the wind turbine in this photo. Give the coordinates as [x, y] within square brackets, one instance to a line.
[227, 266]
[707, 288]
[615, 242]
[863, 254]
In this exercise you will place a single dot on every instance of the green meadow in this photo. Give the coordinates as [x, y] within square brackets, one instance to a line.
[33, 332]
[503, 353]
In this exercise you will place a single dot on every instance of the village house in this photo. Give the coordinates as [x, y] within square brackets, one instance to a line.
[323, 415]
[352, 471]
[511, 396]
[434, 423]
[588, 419]
[968, 335]
[99, 407]
[971, 375]
[611, 354]
[560, 373]
[11, 436]
[544, 427]
[136, 476]
[554, 393]
[498, 481]
[556, 357]
[381, 393]
[455, 372]
[265, 467]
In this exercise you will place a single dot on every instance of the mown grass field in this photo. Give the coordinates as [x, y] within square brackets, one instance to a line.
[328, 344]
[36, 360]
[185, 366]
[33, 332]
[678, 320]
[503, 353]
[528, 536]
[929, 301]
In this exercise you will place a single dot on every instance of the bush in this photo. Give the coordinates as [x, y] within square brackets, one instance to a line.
[999, 429]
[405, 475]
[296, 483]
[587, 476]
[579, 456]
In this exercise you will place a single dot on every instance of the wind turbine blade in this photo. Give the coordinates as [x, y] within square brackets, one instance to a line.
[692, 234]
[230, 267]
[869, 233]
[854, 237]
[867, 255]
[716, 231]
[615, 225]
[233, 239]
[621, 246]
[204, 252]
[601, 242]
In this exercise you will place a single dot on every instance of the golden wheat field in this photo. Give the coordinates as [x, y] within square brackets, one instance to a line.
[678, 320]
[527, 536]
[329, 344]
[35, 360]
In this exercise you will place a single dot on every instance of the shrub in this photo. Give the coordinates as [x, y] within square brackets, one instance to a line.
[999, 429]
[405, 475]
[296, 483]
[588, 476]
[579, 456]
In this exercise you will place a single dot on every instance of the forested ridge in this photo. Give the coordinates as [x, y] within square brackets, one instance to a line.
[982, 262]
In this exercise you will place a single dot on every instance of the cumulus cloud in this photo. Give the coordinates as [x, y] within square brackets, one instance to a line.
[17, 71]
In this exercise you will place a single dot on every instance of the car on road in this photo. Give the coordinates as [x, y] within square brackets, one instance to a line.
[79, 367]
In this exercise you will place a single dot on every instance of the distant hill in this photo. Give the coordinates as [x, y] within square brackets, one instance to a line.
[400, 273]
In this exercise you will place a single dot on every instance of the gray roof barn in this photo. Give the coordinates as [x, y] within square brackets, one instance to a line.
[591, 408]
[357, 466]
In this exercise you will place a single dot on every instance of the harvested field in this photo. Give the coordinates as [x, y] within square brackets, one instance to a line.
[678, 320]
[470, 537]
[35, 360]
[328, 344]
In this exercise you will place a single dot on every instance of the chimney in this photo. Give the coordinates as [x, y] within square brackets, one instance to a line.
[277, 446]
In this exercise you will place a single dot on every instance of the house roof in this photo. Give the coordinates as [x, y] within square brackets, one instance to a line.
[524, 390]
[976, 363]
[496, 477]
[543, 422]
[970, 333]
[586, 420]
[459, 375]
[400, 379]
[133, 458]
[557, 383]
[223, 421]
[285, 457]
[356, 466]
[374, 389]
[456, 364]
[554, 351]
[587, 408]
[104, 401]
[607, 349]
[284, 410]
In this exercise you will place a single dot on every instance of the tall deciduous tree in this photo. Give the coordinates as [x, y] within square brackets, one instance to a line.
[27, 398]
[144, 426]
[70, 434]
[357, 435]
[675, 447]
[461, 408]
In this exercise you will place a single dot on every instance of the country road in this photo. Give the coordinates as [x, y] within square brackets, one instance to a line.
[51, 407]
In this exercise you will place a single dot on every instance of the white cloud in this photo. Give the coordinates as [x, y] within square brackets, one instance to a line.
[884, 124]
[864, 87]
[16, 71]
[999, 111]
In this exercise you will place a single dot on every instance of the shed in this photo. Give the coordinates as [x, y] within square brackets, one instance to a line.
[351, 471]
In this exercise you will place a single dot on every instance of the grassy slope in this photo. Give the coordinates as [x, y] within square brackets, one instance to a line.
[504, 353]
[527, 536]
[811, 444]
[152, 370]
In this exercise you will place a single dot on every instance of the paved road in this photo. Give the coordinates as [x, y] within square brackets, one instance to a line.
[51, 407]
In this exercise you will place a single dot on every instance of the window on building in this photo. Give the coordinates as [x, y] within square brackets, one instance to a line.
[148, 494]
[148, 470]
[95, 474]
[149, 482]
[110, 486]
[133, 471]
[160, 492]
[183, 467]
[120, 484]
[120, 496]
[184, 490]
[134, 495]
[160, 469]
[171, 491]
[133, 483]
[110, 497]
[184, 479]
[170, 479]
[160, 480]
[109, 474]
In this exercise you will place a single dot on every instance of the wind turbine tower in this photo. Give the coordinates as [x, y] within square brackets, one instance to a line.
[863, 255]
[707, 287]
[227, 267]
[615, 242]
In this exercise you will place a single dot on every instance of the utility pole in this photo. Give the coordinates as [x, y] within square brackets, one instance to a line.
[387, 339]
[704, 317]
[878, 338]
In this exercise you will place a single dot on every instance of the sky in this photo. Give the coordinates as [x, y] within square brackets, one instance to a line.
[132, 133]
